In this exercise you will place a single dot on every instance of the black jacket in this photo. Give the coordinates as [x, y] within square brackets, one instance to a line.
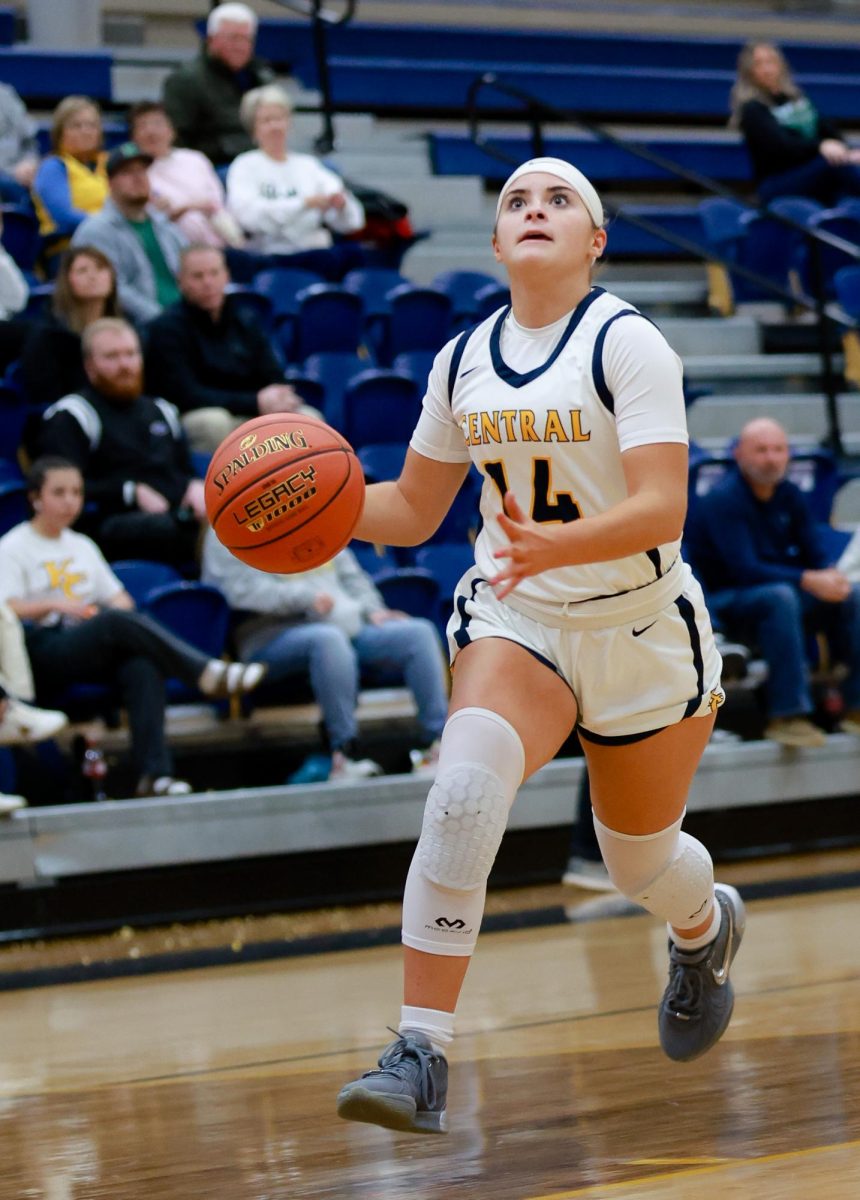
[203, 99]
[117, 445]
[52, 362]
[196, 362]
[774, 146]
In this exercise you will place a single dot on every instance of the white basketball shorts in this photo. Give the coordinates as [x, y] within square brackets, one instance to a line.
[628, 680]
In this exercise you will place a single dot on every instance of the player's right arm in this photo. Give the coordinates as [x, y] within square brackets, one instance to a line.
[408, 510]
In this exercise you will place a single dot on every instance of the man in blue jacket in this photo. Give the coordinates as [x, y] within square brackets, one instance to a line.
[754, 544]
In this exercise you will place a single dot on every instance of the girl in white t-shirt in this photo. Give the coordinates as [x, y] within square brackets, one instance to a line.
[579, 612]
[81, 626]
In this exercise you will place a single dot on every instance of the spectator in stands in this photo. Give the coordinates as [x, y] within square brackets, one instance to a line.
[754, 543]
[794, 150]
[143, 500]
[84, 291]
[20, 723]
[14, 293]
[81, 625]
[19, 157]
[183, 182]
[71, 183]
[142, 243]
[211, 359]
[203, 97]
[290, 204]
[330, 623]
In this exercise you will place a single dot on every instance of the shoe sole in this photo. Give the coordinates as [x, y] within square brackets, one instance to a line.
[738, 926]
[391, 1112]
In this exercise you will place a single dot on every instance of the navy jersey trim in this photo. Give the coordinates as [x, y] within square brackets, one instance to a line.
[687, 611]
[621, 739]
[597, 373]
[461, 635]
[653, 557]
[457, 358]
[514, 378]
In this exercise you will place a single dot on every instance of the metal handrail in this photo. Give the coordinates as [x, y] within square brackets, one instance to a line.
[321, 20]
[538, 111]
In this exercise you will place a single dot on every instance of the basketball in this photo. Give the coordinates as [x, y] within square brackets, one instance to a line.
[284, 492]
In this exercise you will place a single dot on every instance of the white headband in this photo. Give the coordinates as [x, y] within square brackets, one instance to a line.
[561, 170]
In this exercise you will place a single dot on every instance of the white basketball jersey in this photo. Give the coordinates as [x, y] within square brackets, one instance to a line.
[546, 414]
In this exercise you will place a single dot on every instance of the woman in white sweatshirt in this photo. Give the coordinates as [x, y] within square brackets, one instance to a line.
[288, 203]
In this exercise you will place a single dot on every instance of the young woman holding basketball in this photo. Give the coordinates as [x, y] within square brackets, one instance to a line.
[570, 404]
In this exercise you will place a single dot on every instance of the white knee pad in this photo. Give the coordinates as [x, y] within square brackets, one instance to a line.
[481, 763]
[669, 873]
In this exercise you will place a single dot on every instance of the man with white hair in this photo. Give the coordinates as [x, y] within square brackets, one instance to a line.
[202, 98]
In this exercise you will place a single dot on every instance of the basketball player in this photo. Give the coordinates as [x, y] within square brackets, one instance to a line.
[579, 611]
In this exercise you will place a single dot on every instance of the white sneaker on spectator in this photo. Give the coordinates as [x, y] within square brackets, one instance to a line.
[10, 804]
[587, 873]
[352, 768]
[23, 723]
[425, 762]
[164, 785]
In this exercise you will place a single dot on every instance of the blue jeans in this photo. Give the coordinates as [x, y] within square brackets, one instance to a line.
[776, 617]
[816, 179]
[408, 648]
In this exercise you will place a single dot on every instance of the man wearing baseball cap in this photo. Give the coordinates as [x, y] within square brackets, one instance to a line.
[143, 245]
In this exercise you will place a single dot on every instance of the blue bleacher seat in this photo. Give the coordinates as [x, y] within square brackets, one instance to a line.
[463, 518]
[462, 288]
[197, 612]
[50, 75]
[382, 460]
[21, 236]
[13, 504]
[282, 285]
[140, 577]
[13, 417]
[417, 364]
[312, 391]
[847, 285]
[334, 369]
[373, 285]
[816, 473]
[420, 319]
[39, 300]
[254, 303]
[841, 222]
[490, 299]
[447, 562]
[411, 590]
[328, 318]
[374, 559]
[380, 406]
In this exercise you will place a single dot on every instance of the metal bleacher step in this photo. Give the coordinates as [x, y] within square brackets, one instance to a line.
[742, 372]
[714, 420]
[712, 336]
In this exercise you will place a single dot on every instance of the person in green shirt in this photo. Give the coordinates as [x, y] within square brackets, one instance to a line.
[141, 243]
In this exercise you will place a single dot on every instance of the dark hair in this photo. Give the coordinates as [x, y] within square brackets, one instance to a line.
[38, 473]
[142, 109]
[65, 304]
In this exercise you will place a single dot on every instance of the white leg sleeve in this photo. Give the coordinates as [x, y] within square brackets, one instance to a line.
[669, 873]
[481, 764]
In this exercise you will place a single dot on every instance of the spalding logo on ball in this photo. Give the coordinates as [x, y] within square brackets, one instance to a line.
[284, 492]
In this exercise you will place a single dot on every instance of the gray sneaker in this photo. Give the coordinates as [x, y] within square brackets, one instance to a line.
[697, 1004]
[407, 1092]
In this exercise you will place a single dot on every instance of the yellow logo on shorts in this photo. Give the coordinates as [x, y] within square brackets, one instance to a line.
[717, 699]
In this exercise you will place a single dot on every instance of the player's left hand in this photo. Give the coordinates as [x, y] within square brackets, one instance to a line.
[531, 548]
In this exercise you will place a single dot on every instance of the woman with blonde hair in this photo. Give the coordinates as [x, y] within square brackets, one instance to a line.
[794, 151]
[84, 291]
[288, 203]
[72, 182]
